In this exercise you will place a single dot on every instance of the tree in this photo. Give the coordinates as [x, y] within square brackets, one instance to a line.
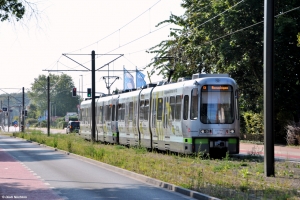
[33, 112]
[226, 36]
[16, 9]
[60, 94]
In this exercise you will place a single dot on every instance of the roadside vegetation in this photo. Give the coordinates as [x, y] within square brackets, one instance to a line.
[227, 178]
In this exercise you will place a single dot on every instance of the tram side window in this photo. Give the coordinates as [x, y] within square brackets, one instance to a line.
[130, 110]
[113, 112]
[154, 113]
[121, 112]
[178, 107]
[172, 104]
[88, 116]
[117, 113]
[236, 104]
[80, 114]
[107, 113]
[185, 107]
[142, 110]
[194, 104]
[166, 107]
[100, 114]
[97, 114]
[146, 109]
[104, 113]
[159, 108]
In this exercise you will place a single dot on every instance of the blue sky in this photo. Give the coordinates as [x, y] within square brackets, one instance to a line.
[78, 27]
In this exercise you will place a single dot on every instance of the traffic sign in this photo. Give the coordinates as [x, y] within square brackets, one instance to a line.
[4, 109]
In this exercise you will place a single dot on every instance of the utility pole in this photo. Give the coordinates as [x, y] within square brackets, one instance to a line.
[1, 115]
[20, 116]
[8, 114]
[78, 110]
[23, 108]
[268, 87]
[81, 86]
[93, 134]
[48, 117]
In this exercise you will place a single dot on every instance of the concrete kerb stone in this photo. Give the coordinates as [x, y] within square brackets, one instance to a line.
[140, 177]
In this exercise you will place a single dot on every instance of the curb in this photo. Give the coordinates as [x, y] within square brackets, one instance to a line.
[143, 178]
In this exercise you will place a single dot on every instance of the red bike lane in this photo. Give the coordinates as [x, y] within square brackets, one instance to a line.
[18, 182]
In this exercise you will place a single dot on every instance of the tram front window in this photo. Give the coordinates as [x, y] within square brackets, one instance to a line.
[217, 104]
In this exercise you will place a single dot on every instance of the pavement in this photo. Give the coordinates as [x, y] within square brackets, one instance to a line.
[281, 152]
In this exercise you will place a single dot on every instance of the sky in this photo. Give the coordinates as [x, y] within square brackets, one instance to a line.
[75, 28]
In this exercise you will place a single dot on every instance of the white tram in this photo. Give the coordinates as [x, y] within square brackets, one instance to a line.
[197, 115]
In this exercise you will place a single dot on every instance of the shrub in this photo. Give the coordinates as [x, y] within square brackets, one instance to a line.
[293, 133]
[254, 126]
[43, 123]
[32, 121]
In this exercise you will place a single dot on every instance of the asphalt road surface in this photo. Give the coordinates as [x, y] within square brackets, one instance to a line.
[26, 168]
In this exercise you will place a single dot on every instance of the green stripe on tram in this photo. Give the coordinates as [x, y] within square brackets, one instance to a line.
[188, 140]
[201, 141]
[232, 141]
[197, 140]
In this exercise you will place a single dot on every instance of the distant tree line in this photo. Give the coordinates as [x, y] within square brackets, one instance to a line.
[60, 95]
[36, 99]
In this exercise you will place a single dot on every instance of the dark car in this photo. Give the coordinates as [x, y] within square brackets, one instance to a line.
[73, 127]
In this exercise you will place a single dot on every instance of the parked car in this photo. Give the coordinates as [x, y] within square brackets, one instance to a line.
[73, 127]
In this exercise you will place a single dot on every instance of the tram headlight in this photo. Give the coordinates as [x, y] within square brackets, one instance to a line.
[204, 131]
[232, 131]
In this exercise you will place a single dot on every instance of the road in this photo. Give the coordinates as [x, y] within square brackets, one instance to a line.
[35, 172]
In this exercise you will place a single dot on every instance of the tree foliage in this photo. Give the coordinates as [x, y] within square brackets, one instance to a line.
[60, 94]
[11, 10]
[226, 36]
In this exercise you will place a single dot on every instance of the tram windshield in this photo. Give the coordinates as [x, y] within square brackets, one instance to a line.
[216, 106]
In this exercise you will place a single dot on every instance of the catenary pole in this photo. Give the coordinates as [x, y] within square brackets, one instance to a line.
[268, 87]
[8, 114]
[93, 99]
[48, 102]
[23, 108]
